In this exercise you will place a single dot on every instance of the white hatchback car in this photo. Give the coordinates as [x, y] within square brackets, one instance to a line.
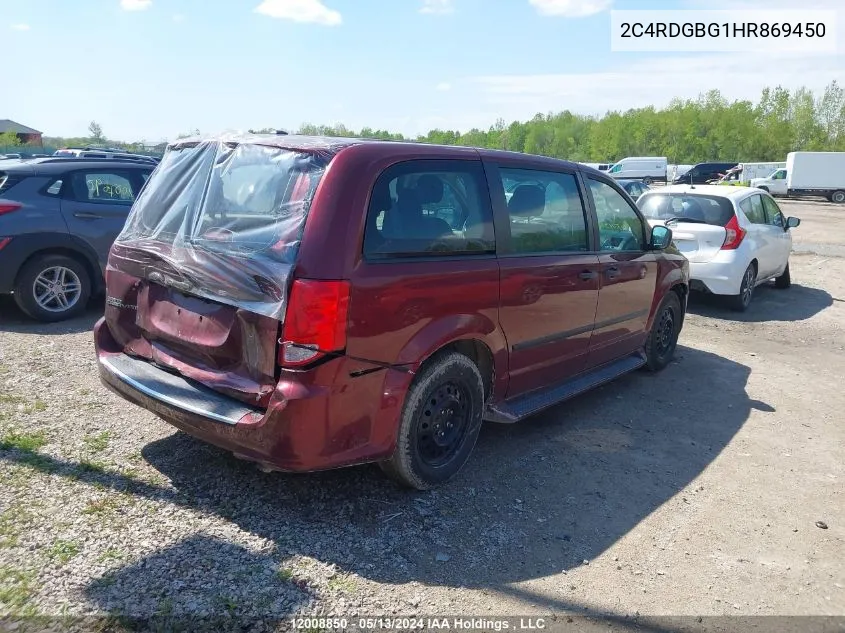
[735, 238]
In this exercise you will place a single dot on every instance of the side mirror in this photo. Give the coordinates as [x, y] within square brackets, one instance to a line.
[792, 222]
[661, 237]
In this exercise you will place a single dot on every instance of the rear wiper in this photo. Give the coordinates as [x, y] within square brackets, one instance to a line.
[691, 220]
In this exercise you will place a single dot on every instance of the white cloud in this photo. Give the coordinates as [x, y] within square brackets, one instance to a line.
[570, 8]
[444, 87]
[300, 11]
[135, 5]
[179, 17]
[21, 27]
[655, 81]
[437, 7]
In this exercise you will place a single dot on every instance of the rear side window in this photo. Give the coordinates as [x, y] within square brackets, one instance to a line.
[753, 209]
[709, 209]
[429, 208]
[102, 187]
[546, 211]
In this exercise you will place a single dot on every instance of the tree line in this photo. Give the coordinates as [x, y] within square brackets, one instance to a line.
[686, 131]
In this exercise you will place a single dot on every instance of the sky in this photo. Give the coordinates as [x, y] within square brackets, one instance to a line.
[152, 69]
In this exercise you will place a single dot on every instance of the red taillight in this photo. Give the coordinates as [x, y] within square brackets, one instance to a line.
[8, 207]
[734, 234]
[4, 241]
[315, 322]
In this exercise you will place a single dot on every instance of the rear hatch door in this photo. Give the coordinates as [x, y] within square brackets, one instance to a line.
[197, 281]
[697, 221]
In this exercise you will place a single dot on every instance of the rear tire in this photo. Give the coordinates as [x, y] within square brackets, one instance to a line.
[52, 288]
[837, 197]
[663, 337]
[784, 281]
[740, 302]
[648, 180]
[440, 423]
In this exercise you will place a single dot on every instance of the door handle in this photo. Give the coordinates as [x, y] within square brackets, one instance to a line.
[586, 275]
[83, 215]
[612, 272]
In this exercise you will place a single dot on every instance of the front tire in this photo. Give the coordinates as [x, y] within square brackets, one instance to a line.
[741, 301]
[663, 337]
[52, 288]
[785, 280]
[440, 423]
[837, 197]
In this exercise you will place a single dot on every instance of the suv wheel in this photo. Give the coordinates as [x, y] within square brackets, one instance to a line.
[740, 302]
[785, 280]
[663, 337]
[52, 288]
[838, 197]
[440, 423]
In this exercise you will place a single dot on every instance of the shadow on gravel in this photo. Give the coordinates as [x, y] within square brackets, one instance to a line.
[797, 303]
[536, 498]
[13, 320]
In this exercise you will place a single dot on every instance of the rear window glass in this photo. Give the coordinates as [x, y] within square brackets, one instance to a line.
[243, 199]
[710, 209]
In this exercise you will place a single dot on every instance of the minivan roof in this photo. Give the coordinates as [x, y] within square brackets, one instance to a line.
[333, 145]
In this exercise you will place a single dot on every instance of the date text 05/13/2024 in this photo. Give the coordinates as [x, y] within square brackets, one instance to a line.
[419, 623]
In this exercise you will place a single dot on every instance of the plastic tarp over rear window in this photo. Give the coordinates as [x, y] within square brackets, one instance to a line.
[222, 219]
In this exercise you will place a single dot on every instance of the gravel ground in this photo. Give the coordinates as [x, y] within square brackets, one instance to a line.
[714, 487]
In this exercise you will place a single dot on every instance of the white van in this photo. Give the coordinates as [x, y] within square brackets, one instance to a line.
[649, 168]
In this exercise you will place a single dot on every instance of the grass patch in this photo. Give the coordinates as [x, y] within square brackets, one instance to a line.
[228, 603]
[24, 442]
[101, 506]
[12, 522]
[110, 554]
[15, 587]
[345, 584]
[97, 443]
[63, 551]
[285, 573]
[8, 398]
[36, 407]
[90, 466]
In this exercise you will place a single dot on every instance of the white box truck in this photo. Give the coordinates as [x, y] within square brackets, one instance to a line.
[647, 168]
[808, 174]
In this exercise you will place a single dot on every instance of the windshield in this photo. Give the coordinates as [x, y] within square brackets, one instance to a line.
[695, 207]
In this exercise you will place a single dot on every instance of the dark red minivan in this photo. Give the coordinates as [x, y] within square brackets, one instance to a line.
[309, 303]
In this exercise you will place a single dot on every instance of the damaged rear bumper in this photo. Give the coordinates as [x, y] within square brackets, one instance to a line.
[302, 429]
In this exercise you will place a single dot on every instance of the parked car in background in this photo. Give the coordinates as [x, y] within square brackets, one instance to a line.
[735, 238]
[58, 219]
[10, 157]
[599, 166]
[93, 152]
[633, 187]
[648, 168]
[444, 302]
[703, 173]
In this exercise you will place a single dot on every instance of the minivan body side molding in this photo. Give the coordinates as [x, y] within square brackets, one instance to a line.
[576, 331]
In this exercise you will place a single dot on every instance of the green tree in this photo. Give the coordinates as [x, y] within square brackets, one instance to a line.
[9, 139]
[96, 132]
